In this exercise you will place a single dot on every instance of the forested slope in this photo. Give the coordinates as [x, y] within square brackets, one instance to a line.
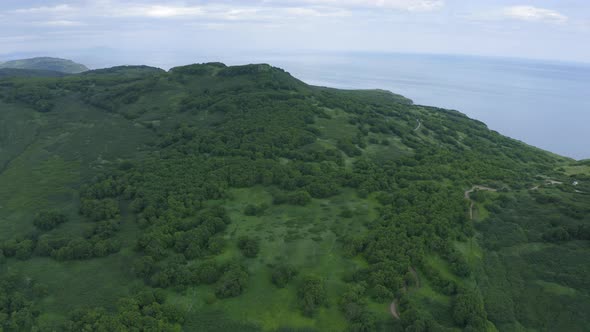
[217, 198]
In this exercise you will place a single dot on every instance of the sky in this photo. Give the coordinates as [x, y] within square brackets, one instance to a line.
[122, 29]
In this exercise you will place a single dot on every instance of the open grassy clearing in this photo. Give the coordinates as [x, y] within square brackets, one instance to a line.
[303, 236]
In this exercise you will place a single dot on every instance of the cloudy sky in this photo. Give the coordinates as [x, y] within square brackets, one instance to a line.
[546, 29]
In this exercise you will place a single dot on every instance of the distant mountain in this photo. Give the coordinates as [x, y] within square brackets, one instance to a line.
[46, 63]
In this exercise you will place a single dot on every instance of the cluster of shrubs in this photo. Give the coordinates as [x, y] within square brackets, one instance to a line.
[229, 279]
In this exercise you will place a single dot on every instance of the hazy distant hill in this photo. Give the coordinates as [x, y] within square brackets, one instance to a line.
[46, 63]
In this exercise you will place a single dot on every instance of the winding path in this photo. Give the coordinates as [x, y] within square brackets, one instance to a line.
[419, 125]
[468, 193]
[393, 308]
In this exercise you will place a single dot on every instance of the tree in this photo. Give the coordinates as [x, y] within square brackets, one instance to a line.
[48, 220]
[248, 246]
[282, 274]
[99, 209]
[144, 266]
[206, 273]
[81, 249]
[215, 245]
[382, 294]
[233, 281]
[24, 249]
[145, 311]
[468, 309]
[311, 294]
[299, 197]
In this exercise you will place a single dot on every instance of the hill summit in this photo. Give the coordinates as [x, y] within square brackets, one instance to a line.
[46, 63]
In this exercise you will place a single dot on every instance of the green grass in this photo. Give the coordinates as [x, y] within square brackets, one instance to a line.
[302, 236]
[88, 283]
[30, 185]
[46, 172]
[393, 151]
[555, 288]
[443, 267]
[18, 129]
[577, 169]
[472, 251]
[336, 127]
[438, 305]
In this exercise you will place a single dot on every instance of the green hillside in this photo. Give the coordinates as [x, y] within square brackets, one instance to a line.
[12, 72]
[215, 198]
[45, 64]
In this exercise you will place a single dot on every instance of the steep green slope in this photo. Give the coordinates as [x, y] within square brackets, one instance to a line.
[46, 64]
[217, 198]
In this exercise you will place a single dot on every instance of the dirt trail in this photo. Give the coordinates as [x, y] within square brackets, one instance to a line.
[393, 310]
[419, 125]
[548, 182]
[553, 182]
[468, 193]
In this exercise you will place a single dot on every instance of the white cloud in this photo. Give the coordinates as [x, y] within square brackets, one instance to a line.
[316, 12]
[225, 12]
[161, 11]
[59, 23]
[63, 8]
[266, 10]
[407, 5]
[530, 13]
[519, 13]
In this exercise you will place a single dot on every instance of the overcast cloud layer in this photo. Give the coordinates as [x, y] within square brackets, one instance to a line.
[558, 30]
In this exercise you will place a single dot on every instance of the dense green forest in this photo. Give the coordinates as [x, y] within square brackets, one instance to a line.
[216, 198]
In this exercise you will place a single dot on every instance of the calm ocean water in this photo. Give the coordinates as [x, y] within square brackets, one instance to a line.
[545, 104]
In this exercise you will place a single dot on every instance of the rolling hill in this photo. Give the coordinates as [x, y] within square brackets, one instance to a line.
[216, 198]
[45, 64]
